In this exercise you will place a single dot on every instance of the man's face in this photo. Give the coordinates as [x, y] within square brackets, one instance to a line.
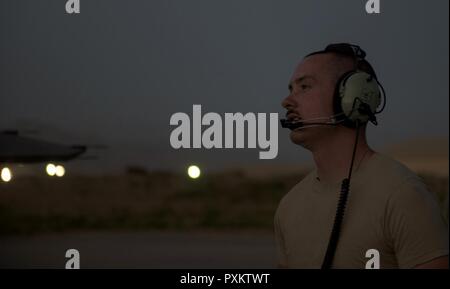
[311, 90]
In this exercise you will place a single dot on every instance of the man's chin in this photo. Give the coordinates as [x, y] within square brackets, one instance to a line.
[306, 137]
[297, 136]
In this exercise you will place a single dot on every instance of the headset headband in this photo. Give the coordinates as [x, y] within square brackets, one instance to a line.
[347, 49]
[353, 51]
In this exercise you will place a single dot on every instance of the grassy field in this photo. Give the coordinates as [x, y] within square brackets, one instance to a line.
[158, 200]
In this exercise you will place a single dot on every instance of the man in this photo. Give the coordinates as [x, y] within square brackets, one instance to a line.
[389, 209]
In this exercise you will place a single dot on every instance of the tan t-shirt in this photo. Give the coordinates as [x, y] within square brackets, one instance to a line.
[388, 209]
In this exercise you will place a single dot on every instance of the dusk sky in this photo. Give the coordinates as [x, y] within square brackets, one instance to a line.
[116, 73]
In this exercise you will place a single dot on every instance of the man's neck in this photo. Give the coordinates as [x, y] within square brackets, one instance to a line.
[333, 156]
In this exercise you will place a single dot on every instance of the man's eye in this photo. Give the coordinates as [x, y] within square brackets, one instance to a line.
[304, 86]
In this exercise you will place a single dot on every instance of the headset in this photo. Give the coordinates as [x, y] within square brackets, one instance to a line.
[357, 95]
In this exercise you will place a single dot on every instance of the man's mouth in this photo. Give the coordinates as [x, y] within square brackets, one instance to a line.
[292, 117]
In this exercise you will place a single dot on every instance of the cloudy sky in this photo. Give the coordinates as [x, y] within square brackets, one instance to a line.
[115, 73]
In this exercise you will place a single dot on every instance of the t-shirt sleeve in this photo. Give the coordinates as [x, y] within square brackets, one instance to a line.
[279, 242]
[415, 225]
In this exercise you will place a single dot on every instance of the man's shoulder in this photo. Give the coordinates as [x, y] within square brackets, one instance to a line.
[385, 170]
[392, 179]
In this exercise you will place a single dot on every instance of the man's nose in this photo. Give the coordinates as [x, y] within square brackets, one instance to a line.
[287, 102]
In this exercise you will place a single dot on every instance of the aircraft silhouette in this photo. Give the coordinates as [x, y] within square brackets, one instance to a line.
[20, 149]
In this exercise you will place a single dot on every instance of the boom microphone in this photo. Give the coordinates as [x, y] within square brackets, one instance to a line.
[296, 124]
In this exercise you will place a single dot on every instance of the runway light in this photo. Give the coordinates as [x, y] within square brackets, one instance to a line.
[193, 172]
[60, 171]
[50, 169]
[6, 175]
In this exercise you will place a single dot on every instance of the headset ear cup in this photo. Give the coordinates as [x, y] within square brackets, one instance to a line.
[353, 89]
[337, 100]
